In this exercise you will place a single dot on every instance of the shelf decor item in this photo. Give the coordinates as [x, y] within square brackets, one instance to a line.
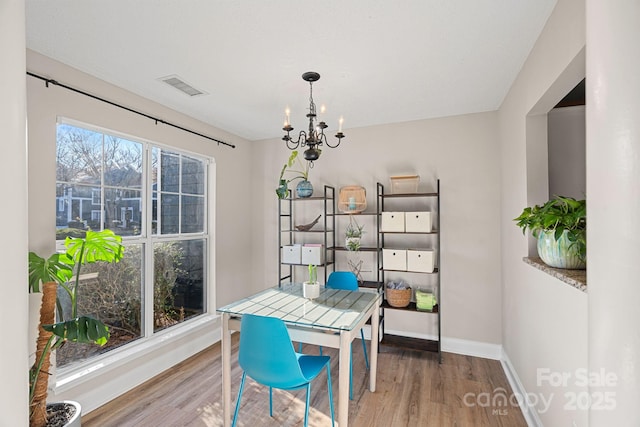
[398, 294]
[307, 227]
[560, 225]
[311, 288]
[301, 171]
[425, 301]
[352, 199]
[353, 235]
[304, 189]
[283, 189]
[404, 184]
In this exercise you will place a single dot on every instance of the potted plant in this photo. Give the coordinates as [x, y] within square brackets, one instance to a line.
[560, 225]
[353, 234]
[63, 270]
[311, 288]
[301, 171]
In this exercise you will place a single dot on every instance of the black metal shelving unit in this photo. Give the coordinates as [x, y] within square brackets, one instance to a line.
[431, 239]
[289, 235]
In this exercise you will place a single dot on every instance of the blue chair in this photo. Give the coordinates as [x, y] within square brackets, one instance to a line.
[347, 281]
[267, 355]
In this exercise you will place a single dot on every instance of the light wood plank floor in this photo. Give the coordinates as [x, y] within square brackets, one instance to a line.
[412, 390]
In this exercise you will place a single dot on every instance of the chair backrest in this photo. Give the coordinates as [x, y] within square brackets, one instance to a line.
[345, 280]
[266, 353]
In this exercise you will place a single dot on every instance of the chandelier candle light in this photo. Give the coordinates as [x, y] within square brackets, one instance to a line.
[315, 137]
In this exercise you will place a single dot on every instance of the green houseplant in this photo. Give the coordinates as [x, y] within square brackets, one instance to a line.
[299, 171]
[63, 270]
[560, 225]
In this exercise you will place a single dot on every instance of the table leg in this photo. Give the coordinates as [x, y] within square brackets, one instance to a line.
[226, 370]
[373, 365]
[343, 379]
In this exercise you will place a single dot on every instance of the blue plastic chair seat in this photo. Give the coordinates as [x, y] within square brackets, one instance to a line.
[267, 355]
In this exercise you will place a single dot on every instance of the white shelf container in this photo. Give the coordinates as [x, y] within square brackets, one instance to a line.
[312, 254]
[420, 261]
[417, 222]
[292, 254]
[392, 222]
[394, 259]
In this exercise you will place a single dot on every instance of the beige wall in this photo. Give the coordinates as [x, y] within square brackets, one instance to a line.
[545, 320]
[613, 181]
[567, 149]
[13, 314]
[462, 152]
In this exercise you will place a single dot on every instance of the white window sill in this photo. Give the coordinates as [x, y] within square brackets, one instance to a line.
[69, 378]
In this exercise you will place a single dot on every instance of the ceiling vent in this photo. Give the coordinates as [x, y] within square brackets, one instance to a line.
[181, 85]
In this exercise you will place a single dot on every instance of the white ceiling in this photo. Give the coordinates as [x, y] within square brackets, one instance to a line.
[380, 61]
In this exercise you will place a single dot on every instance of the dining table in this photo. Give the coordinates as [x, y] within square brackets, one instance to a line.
[333, 319]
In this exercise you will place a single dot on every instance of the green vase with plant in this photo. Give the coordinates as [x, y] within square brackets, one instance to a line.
[560, 225]
[64, 270]
[299, 170]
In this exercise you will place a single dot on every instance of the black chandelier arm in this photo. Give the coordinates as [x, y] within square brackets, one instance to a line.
[301, 141]
[291, 145]
[339, 136]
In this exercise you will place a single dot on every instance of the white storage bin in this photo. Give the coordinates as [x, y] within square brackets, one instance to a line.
[292, 254]
[417, 222]
[394, 259]
[313, 254]
[392, 222]
[420, 261]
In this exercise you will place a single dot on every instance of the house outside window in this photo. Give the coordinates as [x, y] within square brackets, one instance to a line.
[156, 199]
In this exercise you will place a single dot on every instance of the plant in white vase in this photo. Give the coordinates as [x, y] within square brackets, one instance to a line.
[311, 288]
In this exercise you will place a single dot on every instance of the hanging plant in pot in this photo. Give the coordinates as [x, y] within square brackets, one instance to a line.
[300, 170]
[63, 270]
[560, 225]
[353, 234]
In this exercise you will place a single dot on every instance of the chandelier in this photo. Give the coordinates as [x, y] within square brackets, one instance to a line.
[314, 137]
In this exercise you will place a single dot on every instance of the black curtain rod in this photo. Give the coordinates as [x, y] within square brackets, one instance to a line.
[157, 120]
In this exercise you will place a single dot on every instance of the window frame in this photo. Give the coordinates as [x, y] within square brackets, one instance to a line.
[69, 376]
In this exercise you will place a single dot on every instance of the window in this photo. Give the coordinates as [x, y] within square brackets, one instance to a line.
[156, 199]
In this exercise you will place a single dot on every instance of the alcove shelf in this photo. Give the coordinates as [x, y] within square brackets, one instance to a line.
[575, 278]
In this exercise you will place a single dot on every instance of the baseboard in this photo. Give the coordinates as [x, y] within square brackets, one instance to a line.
[529, 412]
[459, 346]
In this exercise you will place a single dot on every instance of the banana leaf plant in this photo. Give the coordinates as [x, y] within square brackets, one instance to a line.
[63, 270]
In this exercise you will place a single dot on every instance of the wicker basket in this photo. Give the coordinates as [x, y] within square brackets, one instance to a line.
[399, 297]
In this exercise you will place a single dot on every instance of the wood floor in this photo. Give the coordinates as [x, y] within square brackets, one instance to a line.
[412, 390]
